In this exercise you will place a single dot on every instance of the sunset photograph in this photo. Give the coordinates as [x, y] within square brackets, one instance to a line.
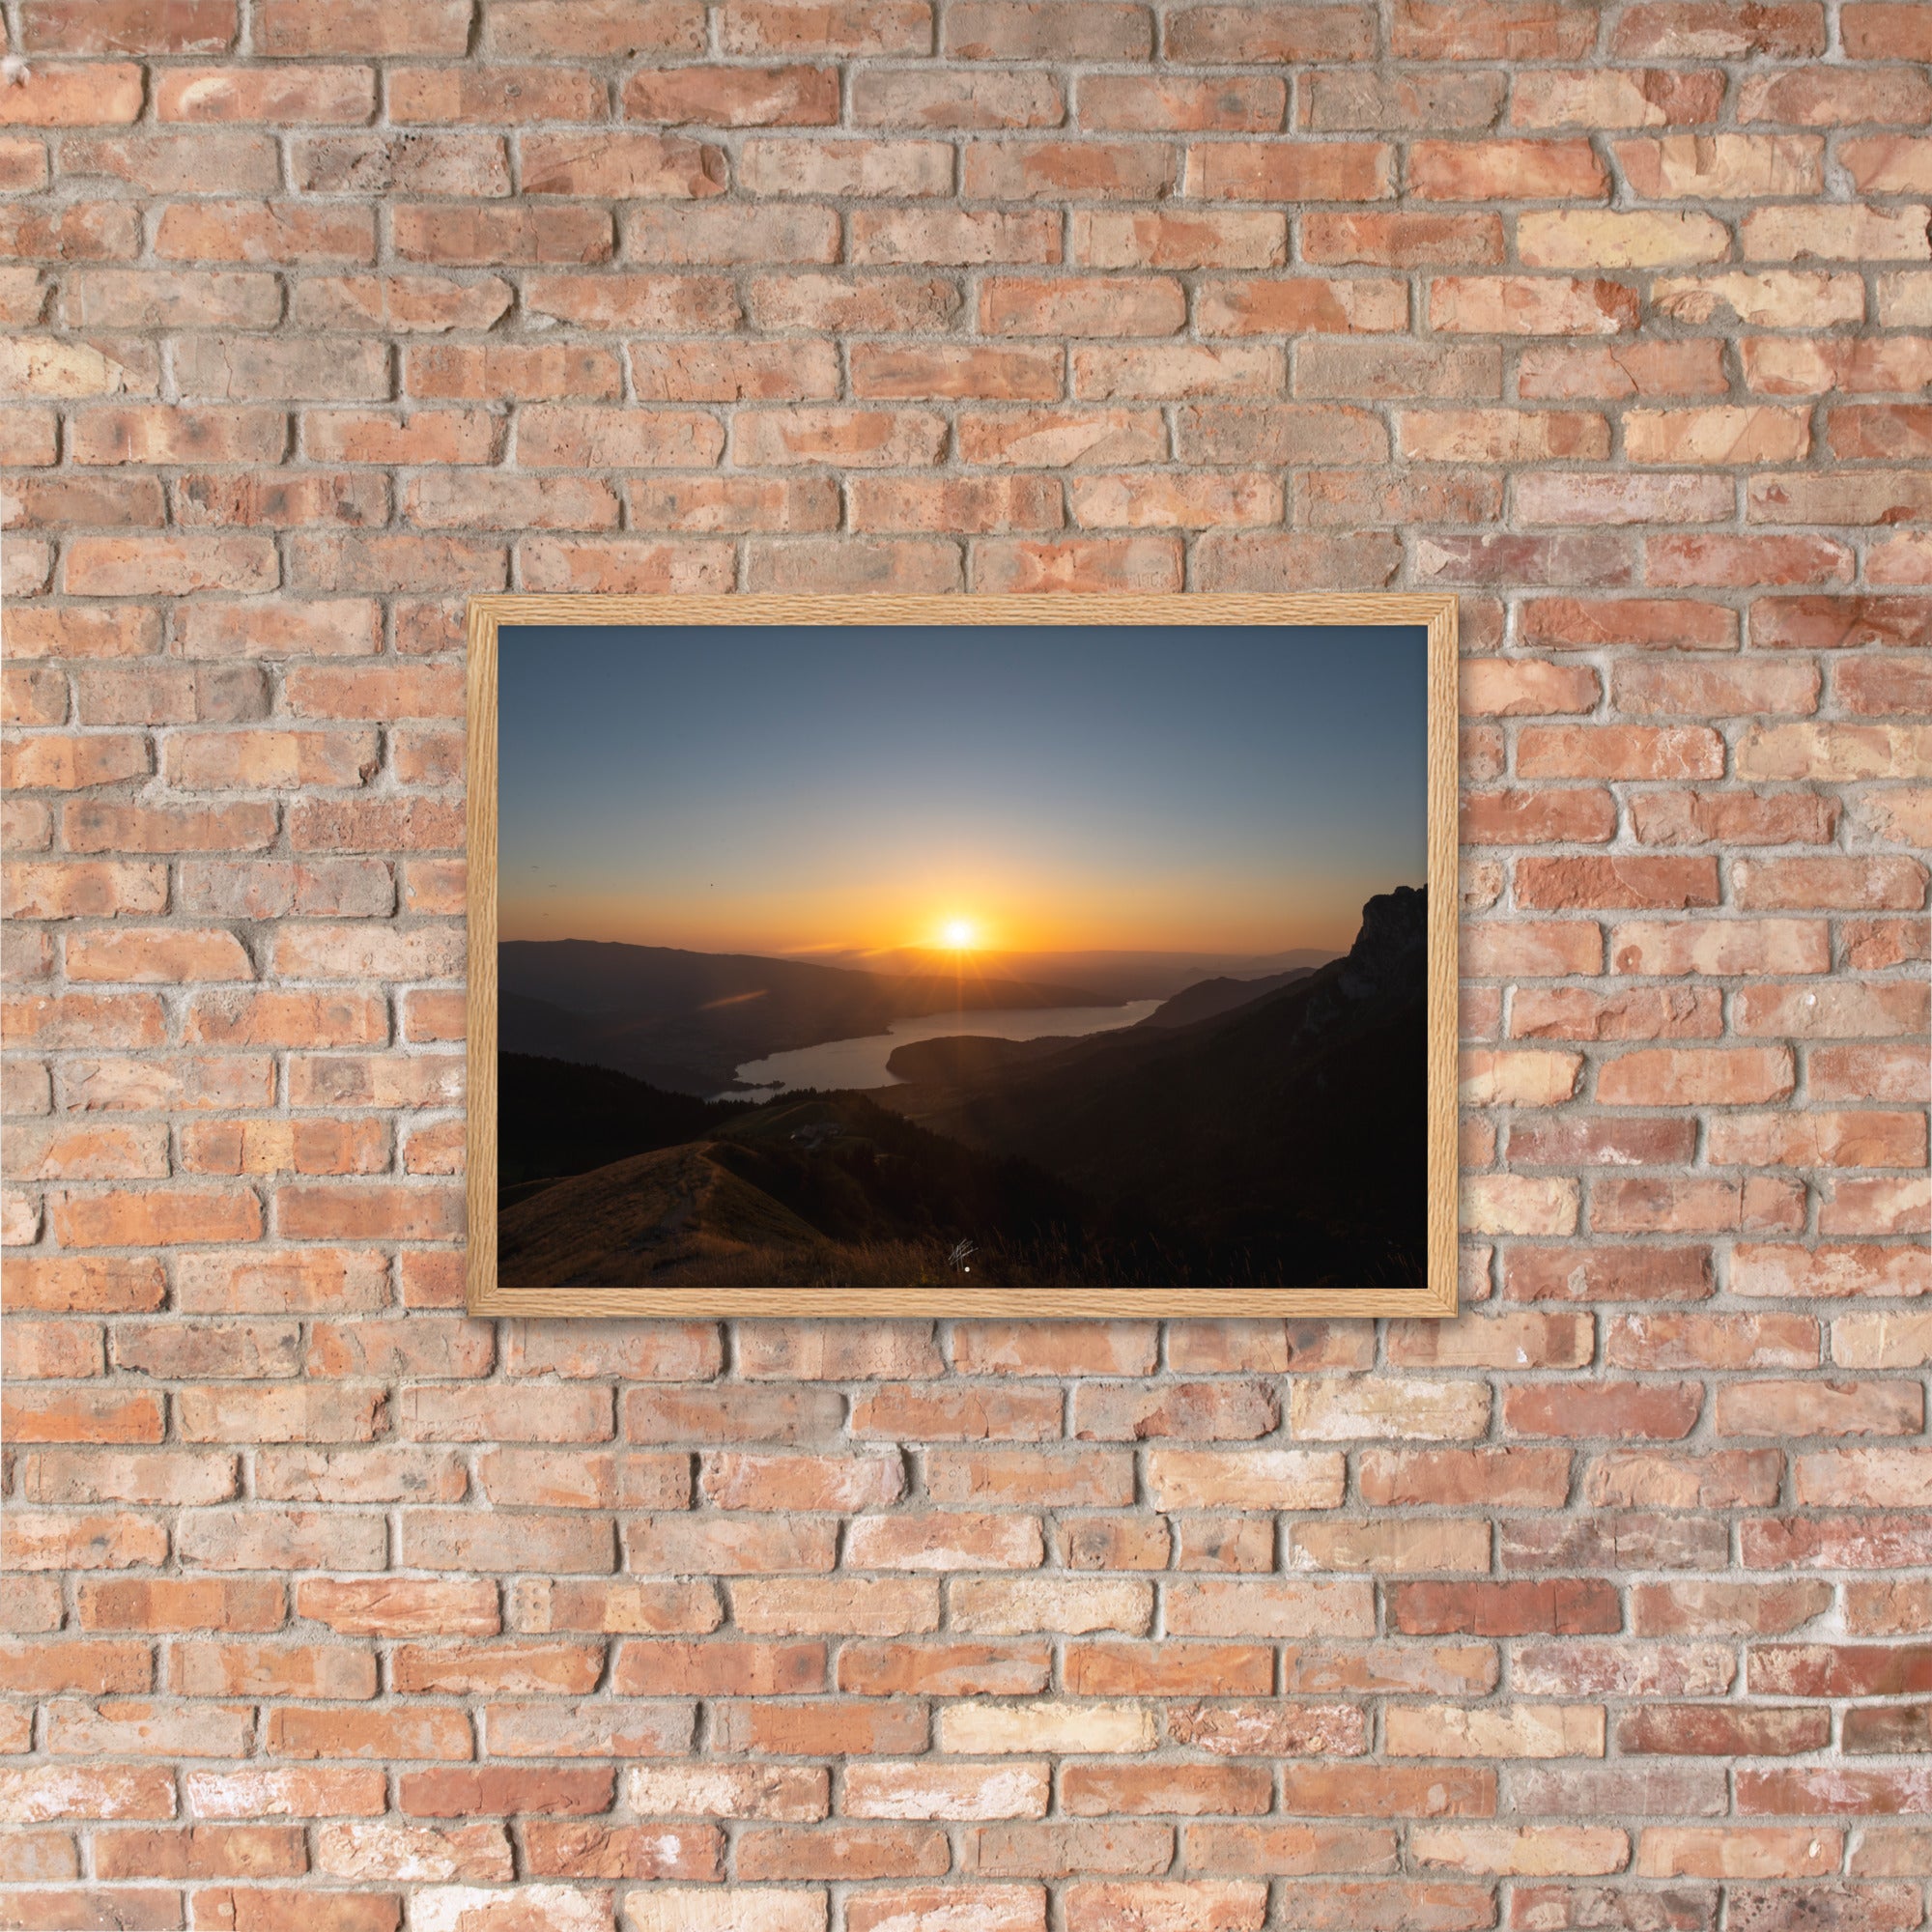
[1023, 957]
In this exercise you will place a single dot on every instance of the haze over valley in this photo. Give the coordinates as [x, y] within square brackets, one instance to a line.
[688, 1021]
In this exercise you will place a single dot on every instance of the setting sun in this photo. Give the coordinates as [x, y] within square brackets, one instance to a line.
[959, 934]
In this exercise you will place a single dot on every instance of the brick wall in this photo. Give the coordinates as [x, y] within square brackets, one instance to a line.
[1604, 1606]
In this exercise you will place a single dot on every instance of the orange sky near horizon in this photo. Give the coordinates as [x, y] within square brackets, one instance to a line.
[1205, 914]
[992, 937]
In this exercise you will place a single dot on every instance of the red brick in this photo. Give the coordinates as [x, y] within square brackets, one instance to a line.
[731, 1479]
[84, 1020]
[265, 231]
[202, 1851]
[730, 234]
[485, 237]
[55, 1540]
[1697, 1206]
[731, 503]
[668, 1668]
[1505, 171]
[1874, 944]
[865, 1607]
[824, 1726]
[1023, 567]
[1014, 375]
[57, 1350]
[505, 95]
[37, 1793]
[966, 504]
[66, 502]
[1828, 883]
[1616, 97]
[426, 1732]
[1052, 171]
[543, 29]
[1408, 239]
[1530, 30]
[1122, 103]
[1733, 818]
[506, 1791]
[907, 97]
[1059, 1850]
[1551, 374]
[61, 94]
[1436, 101]
[1866, 1073]
[967, 238]
[854, 26]
[78, 232]
[60, 26]
[1655, 1479]
[732, 97]
[934, 1414]
[1615, 883]
[1718, 560]
[1291, 172]
[757, 1415]
[1085, 305]
[1519, 1477]
[1655, 623]
[1032, 29]
[211, 95]
[1566, 1607]
[161, 1216]
[621, 1851]
[368, 1213]
[170, 565]
[862, 566]
[1193, 240]
[1303, 306]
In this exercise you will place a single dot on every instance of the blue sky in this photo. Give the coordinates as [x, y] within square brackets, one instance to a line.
[791, 789]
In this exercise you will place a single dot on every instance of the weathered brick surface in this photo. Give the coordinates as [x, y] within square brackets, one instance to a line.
[1605, 1607]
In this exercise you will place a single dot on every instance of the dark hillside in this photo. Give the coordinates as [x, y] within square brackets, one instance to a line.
[554, 1118]
[1287, 1138]
[805, 1189]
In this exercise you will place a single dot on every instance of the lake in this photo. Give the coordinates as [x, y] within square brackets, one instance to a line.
[859, 1064]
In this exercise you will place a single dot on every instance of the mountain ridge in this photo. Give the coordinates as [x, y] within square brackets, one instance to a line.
[689, 1020]
[1209, 997]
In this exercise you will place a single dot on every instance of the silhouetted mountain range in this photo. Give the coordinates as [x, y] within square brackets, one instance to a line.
[1281, 1139]
[1203, 1001]
[688, 1020]
[1115, 975]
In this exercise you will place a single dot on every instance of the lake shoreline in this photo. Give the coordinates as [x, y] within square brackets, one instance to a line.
[858, 1064]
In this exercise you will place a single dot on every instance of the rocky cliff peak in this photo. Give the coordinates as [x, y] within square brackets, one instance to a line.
[1384, 957]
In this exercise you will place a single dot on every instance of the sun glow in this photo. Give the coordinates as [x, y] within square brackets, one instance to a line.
[960, 935]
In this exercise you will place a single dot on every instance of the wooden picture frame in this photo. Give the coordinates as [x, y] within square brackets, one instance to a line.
[487, 1297]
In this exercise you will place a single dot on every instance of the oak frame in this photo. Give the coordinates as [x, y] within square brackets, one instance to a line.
[485, 1295]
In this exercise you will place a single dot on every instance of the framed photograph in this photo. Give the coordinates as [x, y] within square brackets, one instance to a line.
[962, 955]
